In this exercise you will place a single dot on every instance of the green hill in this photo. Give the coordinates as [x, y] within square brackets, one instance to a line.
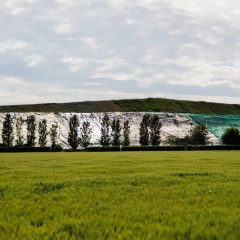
[180, 106]
[130, 105]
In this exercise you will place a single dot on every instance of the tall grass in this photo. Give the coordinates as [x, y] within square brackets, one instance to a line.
[125, 195]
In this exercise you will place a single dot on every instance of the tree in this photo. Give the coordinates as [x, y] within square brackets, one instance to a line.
[126, 133]
[42, 130]
[155, 126]
[231, 136]
[19, 140]
[7, 131]
[85, 134]
[144, 130]
[105, 129]
[53, 134]
[170, 140]
[198, 135]
[31, 128]
[73, 138]
[116, 132]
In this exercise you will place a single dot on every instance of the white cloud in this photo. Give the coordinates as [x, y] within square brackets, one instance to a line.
[34, 60]
[10, 81]
[110, 64]
[205, 74]
[63, 28]
[91, 84]
[17, 7]
[90, 43]
[13, 45]
[75, 64]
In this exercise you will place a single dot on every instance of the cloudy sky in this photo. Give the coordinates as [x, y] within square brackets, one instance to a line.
[77, 50]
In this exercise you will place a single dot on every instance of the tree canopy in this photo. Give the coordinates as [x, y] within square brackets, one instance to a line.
[231, 136]
[199, 135]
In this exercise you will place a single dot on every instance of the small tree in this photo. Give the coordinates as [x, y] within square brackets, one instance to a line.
[53, 134]
[7, 131]
[105, 129]
[31, 128]
[144, 130]
[85, 134]
[73, 138]
[198, 135]
[231, 136]
[126, 133]
[170, 140]
[42, 130]
[116, 132]
[155, 126]
[19, 124]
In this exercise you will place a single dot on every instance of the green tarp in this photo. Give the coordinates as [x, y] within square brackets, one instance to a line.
[215, 123]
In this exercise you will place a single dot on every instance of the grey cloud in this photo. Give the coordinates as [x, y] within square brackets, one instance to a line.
[142, 48]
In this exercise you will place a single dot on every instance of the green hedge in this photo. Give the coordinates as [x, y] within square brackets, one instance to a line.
[163, 148]
[56, 148]
[134, 148]
[153, 148]
[25, 149]
[126, 149]
[103, 149]
[214, 147]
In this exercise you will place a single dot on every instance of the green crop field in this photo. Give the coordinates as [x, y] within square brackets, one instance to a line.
[125, 195]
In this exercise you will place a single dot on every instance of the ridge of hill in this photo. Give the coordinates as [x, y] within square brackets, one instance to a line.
[129, 105]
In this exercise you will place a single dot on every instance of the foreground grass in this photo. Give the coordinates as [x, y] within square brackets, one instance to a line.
[126, 195]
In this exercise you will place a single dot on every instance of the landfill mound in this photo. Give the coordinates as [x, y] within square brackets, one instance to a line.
[175, 124]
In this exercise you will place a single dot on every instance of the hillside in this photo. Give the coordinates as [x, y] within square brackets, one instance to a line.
[78, 107]
[129, 105]
[177, 106]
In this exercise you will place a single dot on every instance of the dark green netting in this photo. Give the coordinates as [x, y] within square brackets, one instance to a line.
[216, 124]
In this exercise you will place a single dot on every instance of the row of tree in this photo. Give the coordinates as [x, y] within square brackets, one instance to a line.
[74, 139]
[112, 133]
[149, 130]
[32, 127]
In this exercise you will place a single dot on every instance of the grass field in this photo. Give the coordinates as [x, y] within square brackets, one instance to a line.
[126, 195]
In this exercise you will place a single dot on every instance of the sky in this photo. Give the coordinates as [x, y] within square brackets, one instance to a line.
[86, 50]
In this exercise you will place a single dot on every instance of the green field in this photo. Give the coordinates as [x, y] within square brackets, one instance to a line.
[125, 195]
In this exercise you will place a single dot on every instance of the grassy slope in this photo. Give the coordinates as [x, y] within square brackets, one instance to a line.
[183, 195]
[181, 106]
[133, 105]
[98, 106]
